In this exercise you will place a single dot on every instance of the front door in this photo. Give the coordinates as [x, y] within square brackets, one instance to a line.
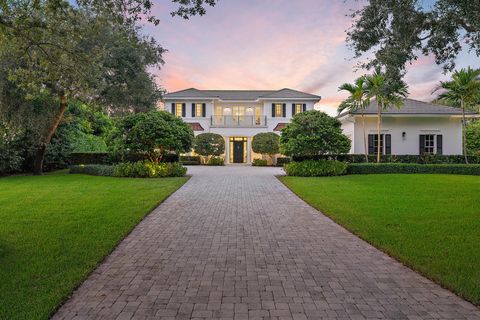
[238, 151]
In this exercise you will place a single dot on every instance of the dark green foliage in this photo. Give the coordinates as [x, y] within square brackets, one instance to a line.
[89, 158]
[376, 168]
[315, 168]
[472, 135]
[153, 134]
[10, 157]
[313, 133]
[398, 31]
[148, 169]
[209, 144]
[259, 163]
[266, 143]
[94, 169]
[190, 160]
[428, 158]
[140, 169]
[282, 161]
[216, 161]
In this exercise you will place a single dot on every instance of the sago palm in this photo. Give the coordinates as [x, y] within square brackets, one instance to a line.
[462, 91]
[387, 94]
[358, 100]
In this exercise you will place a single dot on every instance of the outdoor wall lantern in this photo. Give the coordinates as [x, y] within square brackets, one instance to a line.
[250, 110]
[404, 134]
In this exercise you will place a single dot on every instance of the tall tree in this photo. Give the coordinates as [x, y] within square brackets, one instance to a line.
[358, 100]
[398, 31]
[53, 46]
[387, 93]
[463, 91]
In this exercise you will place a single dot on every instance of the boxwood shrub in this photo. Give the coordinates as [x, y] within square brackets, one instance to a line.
[259, 163]
[375, 168]
[315, 168]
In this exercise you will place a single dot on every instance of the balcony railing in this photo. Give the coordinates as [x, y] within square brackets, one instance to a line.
[239, 121]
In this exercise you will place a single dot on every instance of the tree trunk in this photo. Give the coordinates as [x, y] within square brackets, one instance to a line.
[365, 146]
[379, 113]
[45, 141]
[464, 127]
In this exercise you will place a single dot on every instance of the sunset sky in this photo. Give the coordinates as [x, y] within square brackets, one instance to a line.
[272, 44]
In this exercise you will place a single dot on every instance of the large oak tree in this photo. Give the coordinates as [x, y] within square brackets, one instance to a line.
[75, 50]
[399, 31]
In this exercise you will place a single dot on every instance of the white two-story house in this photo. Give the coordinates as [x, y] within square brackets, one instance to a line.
[238, 115]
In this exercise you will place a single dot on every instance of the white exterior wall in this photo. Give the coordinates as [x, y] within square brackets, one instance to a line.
[449, 127]
[227, 132]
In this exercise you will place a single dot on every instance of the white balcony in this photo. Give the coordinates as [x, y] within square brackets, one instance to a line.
[238, 121]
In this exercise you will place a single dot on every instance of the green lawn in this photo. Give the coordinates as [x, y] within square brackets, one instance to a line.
[429, 222]
[55, 229]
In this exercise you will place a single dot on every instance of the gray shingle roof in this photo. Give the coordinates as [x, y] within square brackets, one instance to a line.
[241, 95]
[411, 106]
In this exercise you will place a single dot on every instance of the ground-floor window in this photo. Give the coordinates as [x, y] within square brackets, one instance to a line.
[385, 144]
[431, 144]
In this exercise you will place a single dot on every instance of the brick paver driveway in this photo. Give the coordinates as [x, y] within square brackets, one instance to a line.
[234, 243]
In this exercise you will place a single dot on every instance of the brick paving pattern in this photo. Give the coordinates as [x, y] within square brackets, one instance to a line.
[235, 243]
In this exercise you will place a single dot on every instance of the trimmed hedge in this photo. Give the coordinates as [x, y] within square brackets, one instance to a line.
[420, 159]
[259, 163]
[89, 158]
[77, 158]
[216, 161]
[140, 169]
[315, 168]
[147, 169]
[93, 169]
[190, 160]
[379, 168]
[282, 161]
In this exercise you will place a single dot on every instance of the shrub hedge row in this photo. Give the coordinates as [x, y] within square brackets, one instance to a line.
[190, 160]
[94, 169]
[375, 168]
[77, 158]
[216, 161]
[259, 163]
[140, 169]
[315, 168]
[283, 160]
[420, 159]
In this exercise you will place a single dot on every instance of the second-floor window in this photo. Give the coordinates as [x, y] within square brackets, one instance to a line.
[279, 110]
[298, 107]
[178, 109]
[198, 109]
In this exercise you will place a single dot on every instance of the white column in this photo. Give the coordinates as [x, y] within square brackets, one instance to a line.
[249, 160]
[227, 149]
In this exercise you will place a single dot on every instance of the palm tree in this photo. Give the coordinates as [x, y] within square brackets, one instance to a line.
[462, 91]
[358, 100]
[387, 94]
